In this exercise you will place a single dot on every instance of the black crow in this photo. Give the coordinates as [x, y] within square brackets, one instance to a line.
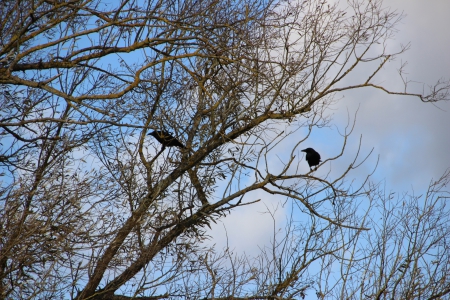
[166, 139]
[312, 157]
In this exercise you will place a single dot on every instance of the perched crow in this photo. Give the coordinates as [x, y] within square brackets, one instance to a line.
[166, 139]
[312, 157]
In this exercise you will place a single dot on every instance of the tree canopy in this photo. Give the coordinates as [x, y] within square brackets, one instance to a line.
[92, 207]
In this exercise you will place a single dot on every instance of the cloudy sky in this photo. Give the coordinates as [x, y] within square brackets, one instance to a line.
[410, 138]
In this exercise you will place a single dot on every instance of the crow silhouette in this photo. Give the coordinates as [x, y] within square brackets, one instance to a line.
[312, 157]
[166, 139]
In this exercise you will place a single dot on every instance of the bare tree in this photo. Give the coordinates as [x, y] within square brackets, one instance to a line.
[406, 254]
[93, 208]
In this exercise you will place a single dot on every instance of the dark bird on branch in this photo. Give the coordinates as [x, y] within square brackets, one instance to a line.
[166, 139]
[312, 157]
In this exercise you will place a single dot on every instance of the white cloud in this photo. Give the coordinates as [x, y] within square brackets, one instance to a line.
[411, 138]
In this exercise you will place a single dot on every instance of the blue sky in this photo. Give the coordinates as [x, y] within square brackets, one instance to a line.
[411, 139]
